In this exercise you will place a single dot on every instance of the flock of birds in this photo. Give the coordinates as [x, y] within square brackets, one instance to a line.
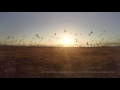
[37, 41]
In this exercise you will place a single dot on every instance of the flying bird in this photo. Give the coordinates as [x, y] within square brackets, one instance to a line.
[37, 35]
[91, 45]
[87, 43]
[64, 30]
[104, 30]
[8, 37]
[12, 37]
[91, 32]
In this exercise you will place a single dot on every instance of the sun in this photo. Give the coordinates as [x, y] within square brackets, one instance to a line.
[66, 41]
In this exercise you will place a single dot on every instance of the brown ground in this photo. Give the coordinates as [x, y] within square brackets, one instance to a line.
[28, 62]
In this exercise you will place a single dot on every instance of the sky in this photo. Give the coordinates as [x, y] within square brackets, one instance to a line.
[45, 24]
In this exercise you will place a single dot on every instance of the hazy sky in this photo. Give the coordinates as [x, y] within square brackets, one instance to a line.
[29, 24]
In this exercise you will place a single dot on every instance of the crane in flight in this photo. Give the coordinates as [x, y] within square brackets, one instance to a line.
[64, 30]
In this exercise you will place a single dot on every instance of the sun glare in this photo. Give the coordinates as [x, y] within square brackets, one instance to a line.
[66, 41]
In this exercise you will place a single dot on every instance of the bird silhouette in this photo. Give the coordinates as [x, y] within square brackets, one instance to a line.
[87, 43]
[104, 30]
[12, 37]
[8, 37]
[64, 30]
[91, 32]
[37, 35]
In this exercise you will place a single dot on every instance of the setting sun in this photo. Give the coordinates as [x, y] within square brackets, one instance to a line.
[66, 41]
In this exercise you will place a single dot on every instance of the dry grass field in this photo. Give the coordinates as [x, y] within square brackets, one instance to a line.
[59, 62]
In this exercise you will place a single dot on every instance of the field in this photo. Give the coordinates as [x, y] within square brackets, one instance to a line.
[59, 62]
